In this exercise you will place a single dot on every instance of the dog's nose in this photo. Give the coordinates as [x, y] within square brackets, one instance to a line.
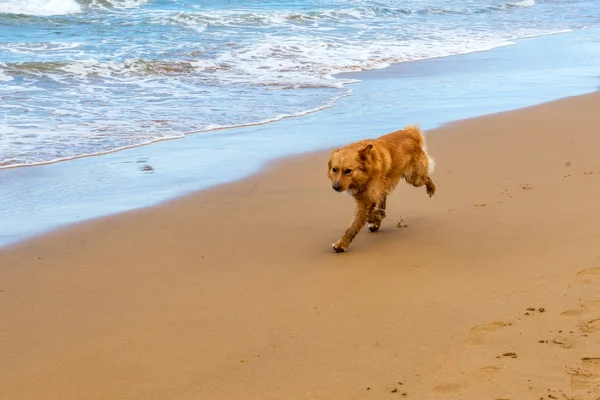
[336, 186]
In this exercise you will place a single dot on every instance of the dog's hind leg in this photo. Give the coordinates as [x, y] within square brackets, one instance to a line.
[377, 215]
[360, 219]
[418, 174]
[430, 186]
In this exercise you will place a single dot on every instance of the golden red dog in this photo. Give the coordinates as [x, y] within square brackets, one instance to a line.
[370, 170]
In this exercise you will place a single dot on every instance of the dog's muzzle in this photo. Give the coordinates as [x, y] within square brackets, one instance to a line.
[336, 186]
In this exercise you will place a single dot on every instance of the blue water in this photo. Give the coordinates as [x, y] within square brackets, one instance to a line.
[55, 103]
[93, 76]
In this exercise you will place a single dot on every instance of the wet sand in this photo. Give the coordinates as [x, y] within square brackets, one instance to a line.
[488, 290]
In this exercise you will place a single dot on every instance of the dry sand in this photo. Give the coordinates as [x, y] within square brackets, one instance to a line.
[234, 293]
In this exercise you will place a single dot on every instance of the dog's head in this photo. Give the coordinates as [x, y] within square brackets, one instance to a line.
[348, 167]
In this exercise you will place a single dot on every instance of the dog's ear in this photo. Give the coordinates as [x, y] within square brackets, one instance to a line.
[329, 163]
[365, 151]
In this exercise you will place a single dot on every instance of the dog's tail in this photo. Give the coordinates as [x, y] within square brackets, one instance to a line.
[415, 132]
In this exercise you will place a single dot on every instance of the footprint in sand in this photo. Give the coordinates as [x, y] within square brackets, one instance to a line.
[587, 376]
[478, 334]
[588, 307]
[474, 378]
[588, 275]
[562, 342]
[592, 326]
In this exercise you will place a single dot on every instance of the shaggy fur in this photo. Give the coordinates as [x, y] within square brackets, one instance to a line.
[370, 170]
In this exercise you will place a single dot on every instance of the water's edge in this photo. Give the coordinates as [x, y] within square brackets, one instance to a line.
[432, 92]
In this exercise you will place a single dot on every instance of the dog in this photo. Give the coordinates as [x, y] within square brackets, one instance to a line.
[369, 170]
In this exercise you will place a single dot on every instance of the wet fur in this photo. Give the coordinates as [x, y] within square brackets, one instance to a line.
[370, 170]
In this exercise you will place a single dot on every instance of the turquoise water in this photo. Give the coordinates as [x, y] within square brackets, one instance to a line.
[93, 76]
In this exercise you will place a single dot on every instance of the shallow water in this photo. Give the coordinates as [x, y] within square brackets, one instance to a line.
[92, 76]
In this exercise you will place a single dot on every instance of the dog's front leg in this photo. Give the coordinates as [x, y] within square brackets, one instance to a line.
[360, 219]
[377, 214]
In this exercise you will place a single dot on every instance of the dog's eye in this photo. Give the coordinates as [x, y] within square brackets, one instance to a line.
[347, 171]
[335, 170]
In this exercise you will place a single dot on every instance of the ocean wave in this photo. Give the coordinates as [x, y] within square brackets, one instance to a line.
[44, 8]
[90, 68]
[298, 62]
[39, 7]
[38, 48]
[525, 3]
[506, 6]
[111, 4]
[205, 71]
[231, 18]
[3, 76]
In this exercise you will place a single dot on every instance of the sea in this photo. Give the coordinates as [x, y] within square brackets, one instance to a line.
[87, 77]
[109, 106]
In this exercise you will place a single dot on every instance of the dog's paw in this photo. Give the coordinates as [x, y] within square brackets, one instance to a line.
[374, 227]
[339, 247]
[430, 188]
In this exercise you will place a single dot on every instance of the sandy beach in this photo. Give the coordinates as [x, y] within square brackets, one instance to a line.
[489, 290]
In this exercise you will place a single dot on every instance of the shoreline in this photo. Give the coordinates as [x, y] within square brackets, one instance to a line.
[234, 292]
[52, 196]
[265, 169]
[182, 136]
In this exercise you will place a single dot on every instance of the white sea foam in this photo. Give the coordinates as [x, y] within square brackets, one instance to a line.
[128, 3]
[3, 76]
[38, 48]
[119, 4]
[525, 3]
[39, 7]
